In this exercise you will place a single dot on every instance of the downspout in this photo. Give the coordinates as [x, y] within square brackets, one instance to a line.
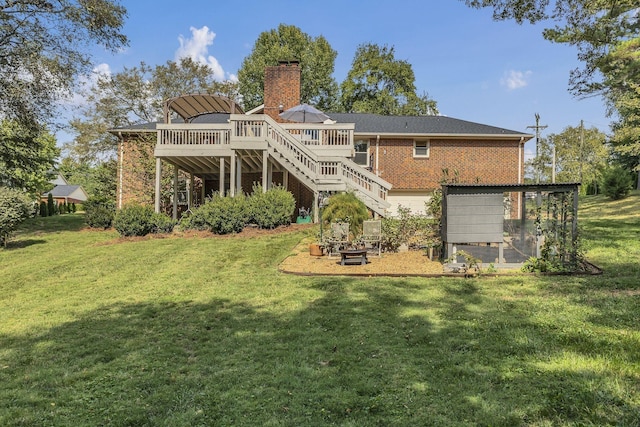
[377, 154]
[121, 167]
[520, 148]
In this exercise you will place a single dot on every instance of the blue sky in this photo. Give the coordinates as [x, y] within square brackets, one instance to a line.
[477, 69]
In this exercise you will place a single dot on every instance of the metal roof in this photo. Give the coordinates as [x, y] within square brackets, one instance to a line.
[197, 104]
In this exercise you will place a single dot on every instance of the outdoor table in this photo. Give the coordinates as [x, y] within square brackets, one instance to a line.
[353, 254]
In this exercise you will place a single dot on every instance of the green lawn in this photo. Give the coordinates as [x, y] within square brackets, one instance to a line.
[187, 332]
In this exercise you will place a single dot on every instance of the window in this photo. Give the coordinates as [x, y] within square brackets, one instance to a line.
[361, 156]
[420, 148]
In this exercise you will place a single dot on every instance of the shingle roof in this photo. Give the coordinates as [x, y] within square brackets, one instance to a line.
[366, 123]
[434, 125]
[63, 190]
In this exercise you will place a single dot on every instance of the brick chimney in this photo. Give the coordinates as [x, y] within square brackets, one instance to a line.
[281, 88]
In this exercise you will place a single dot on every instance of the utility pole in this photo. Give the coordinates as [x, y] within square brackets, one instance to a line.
[537, 127]
[581, 147]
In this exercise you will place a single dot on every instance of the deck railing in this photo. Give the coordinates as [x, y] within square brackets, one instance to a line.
[292, 141]
[194, 134]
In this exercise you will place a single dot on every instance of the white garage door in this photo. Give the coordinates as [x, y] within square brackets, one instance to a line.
[413, 201]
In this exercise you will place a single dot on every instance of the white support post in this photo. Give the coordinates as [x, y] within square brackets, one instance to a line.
[175, 192]
[265, 171]
[232, 175]
[221, 187]
[158, 182]
[238, 174]
[190, 185]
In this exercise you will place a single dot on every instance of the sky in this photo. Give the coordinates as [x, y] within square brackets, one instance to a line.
[492, 72]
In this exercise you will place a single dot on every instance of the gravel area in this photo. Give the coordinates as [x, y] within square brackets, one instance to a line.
[411, 263]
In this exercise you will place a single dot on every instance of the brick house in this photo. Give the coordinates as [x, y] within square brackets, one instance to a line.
[386, 160]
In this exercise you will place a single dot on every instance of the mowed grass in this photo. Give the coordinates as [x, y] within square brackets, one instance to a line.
[95, 330]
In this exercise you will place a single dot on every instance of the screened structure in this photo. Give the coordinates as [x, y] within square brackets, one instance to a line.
[505, 225]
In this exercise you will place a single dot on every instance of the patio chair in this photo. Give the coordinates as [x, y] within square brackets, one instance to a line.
[372, 235]
[338, 238]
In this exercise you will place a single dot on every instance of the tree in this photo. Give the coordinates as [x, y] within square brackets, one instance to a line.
[27, 156]
[44, 46]
[581, 155]
[97, 180]
[288, 42]
[15, 207]
[379, 83]
[133, 96]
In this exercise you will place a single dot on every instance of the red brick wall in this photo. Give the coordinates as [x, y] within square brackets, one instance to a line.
[484, 162]
[281, 87]
[136, 164]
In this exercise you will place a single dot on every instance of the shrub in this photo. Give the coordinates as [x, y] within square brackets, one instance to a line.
[51, 207]
[99, 212]
[617, 183]
[162, 223]
[270, 209]
[134, 220]
[43, 209]
[346, 207]
[220, 215]
[15, 207]
[415, 231]
[73, 207]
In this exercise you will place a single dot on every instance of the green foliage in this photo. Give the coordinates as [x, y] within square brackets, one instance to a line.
[617, 183]
[73, 207]
[46, 45]
[288, 42]
[162, 223]
[43, 209]
[272, 208]
[409, 229]
[15, 207]
[134, 220]
[379, 83]
[51, 207]
[346, 207]
[219, 214]
[99, 212]
[27, 155]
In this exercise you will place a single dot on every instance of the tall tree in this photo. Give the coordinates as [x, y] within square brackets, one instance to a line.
[380, 83]
[133, 96]
[581, 155]
[27, 155]
[625, 100]
[44, 45]
[317, 61]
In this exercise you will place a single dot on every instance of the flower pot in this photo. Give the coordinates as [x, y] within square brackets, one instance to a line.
[316, 250]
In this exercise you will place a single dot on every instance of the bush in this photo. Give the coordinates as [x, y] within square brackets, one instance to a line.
[220, 215]
[270, 209]
[415, 231]
[43, 209]
[51, 206]
[99, 212]
[162, 223]
[617, 183]
[15, 207]
[346, 207]
[134, 220]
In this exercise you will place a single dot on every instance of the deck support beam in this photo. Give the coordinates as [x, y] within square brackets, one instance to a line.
[158, 182]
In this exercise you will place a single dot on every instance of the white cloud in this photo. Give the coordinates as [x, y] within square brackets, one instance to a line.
[514, 79]
[197, 48]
